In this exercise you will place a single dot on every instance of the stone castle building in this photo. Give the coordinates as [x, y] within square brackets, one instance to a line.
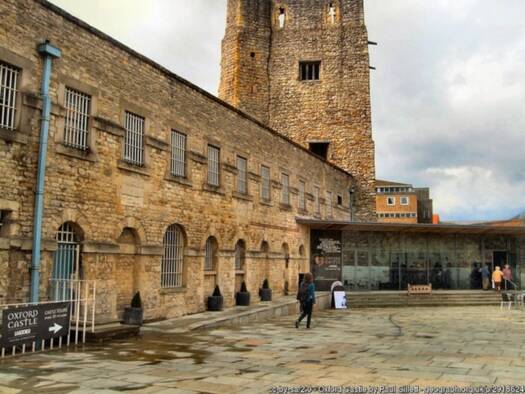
[302, 68]
[154, 185]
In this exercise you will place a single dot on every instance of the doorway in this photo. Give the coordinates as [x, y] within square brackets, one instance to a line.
[499, 259]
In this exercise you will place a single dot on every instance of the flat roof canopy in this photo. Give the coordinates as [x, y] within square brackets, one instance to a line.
[411, 228]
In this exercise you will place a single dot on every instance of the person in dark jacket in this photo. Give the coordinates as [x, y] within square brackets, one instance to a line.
[306, 297]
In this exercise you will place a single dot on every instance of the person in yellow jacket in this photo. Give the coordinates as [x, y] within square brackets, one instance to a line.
[497, 277]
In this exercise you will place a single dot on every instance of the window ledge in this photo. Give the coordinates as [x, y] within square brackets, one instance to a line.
[179, 179]
[13, 136]
[239, 272]
[213, 189]
[210, 273]
[285, 207]
[266, 203]
[124, 165]
[241, 196]
[173, 290]
[69, 151]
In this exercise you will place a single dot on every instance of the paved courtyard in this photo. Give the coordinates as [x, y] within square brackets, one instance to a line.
[425, 347]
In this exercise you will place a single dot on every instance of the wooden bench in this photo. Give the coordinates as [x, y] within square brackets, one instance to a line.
[420, 289]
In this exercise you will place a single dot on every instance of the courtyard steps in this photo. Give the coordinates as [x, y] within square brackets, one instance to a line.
[393, 299]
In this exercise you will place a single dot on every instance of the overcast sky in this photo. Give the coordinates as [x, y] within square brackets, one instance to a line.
[448, 95]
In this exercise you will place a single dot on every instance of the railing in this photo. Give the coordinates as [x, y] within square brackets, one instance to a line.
[81, 297]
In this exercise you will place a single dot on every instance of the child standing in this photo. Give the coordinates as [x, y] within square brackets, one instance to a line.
[497, 276]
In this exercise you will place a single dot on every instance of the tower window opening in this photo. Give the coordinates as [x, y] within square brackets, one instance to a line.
[282, 17]
[332, 12]
[320, 149]
[309, 71]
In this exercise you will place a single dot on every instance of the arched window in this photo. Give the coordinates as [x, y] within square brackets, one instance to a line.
[281, 17]
[66, 259]
[210, 257]
[172, 257]
[240, 255]
[265, 247]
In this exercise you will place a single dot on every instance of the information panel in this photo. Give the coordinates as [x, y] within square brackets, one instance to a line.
[326, 258]
[34, 323]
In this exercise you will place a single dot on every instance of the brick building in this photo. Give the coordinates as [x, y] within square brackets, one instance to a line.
[154, 185]
[402, 203]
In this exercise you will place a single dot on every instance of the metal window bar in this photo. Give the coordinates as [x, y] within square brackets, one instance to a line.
[66, 258]
[178, 153]
[213, 165]
[8, 95]
[242, 179]
[286, 189]
[265, 188]
[302, 201]
[172, 257]
[134, 139]
[78, 107]
[209, 256]
[81, 294]
[329, 207]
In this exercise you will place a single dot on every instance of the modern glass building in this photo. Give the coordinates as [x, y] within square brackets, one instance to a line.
[384, 256]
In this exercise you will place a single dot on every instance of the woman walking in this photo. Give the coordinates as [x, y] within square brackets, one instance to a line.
[306, 296]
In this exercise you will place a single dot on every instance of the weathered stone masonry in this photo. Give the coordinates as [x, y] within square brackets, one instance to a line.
[120, 212]
[260, 75]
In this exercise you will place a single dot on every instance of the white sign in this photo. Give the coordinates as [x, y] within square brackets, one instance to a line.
[340, 299]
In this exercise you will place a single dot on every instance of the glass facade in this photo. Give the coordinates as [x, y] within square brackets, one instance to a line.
[392, 260]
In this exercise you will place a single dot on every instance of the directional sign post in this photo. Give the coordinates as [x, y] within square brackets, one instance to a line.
[35, 323]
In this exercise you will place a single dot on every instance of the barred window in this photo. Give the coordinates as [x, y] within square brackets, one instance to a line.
[302, 201]
[8, 95]
[210, 256]
[317, 200]
[265, 187]
[134, 139]
[285, 180]
[213, 165]
[309, 71]
[178, 153]
[78, 107]
[329, 204]
[242, 178]
[172, 257]
[240, 255]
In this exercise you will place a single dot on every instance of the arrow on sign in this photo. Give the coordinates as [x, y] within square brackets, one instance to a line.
[55, 328]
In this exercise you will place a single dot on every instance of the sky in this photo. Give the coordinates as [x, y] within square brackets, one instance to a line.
[448, 95]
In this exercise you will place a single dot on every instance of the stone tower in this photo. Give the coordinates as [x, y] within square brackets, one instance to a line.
[302, 68]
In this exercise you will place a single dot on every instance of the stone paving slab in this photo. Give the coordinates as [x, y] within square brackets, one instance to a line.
[374, 347]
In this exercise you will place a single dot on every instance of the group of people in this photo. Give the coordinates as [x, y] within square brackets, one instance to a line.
[500, 278]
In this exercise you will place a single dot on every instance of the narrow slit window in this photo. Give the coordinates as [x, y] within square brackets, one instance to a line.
[242, 178]
[317, 201]
[329, 204]
[265, 187]
[8, 95]
[134, 140]
[302, 200]
[178, 154]
[76, 125]
[286, 189]
[213, 165]
[282, 17]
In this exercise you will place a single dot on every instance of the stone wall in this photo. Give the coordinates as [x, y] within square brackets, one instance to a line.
[260, 74]
[120, 212]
